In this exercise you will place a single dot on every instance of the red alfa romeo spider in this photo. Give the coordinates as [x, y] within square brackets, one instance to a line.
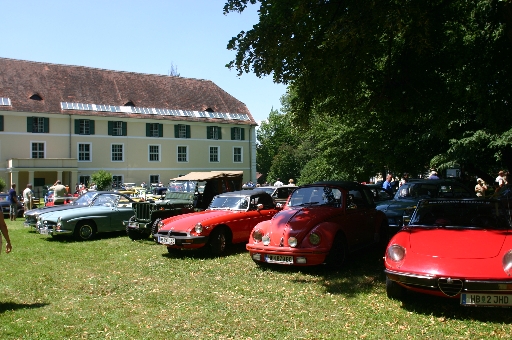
[453, 248]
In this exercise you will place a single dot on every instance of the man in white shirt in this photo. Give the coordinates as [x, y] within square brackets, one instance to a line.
[27, 197]
[278, 183]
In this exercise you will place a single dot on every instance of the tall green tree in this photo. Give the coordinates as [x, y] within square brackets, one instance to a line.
[423, 80]
[102, 178]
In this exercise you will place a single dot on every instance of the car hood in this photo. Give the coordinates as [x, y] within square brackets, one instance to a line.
[188, 221]
[45, 210]
[298, 222]
[457, 243]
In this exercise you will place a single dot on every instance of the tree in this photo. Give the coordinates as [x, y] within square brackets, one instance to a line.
[420, 79]
[2, 184]
[103, 179]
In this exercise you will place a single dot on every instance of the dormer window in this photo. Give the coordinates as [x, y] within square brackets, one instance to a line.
[209, 110]
[130, 103]
[35, 96]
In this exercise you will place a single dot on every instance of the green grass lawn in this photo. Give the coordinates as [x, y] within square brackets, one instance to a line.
[113, 288]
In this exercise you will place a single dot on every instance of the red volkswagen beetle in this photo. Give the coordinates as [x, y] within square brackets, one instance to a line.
[453, 248]
[320, 223]
[229, 218]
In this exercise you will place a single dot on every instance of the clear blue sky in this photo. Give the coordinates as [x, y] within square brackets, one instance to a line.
[146, 36]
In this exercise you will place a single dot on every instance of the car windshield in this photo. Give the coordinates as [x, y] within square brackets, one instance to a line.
[229, 203]
[460, 214]
[84, 199]
[106, 200]
[268, 190]
[183, 186]
[315, 195]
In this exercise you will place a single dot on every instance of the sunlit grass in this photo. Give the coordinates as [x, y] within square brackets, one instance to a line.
[113, 288]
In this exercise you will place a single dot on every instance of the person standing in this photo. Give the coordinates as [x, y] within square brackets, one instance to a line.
[405, 179]
[59, 193]
[13, 202]
[433, 175]
[5, 232]
[27, 197]
[386, 185]
[278, 183]
[480, 187]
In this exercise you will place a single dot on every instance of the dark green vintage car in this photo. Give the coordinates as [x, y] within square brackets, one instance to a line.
[106, 213]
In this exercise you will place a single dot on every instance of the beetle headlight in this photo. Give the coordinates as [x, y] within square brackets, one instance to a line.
[314, 239]
[160, 224]
[257, 235]
[396, 253]
[506, 261]
[292, 242]
[198, 228]
[266, 240]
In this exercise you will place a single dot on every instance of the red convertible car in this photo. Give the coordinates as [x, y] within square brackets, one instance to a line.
[320, 223]
[453, 248]
[229, 218]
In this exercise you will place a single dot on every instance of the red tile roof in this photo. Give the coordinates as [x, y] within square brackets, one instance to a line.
[54, 83]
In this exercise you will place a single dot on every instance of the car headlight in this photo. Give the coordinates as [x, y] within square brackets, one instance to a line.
[292, 242]
[198, 228]
[160, 224]
[396, 253]
[257, 235]
[506, 261]
[266, 240]
[59, 222]
[314, 239]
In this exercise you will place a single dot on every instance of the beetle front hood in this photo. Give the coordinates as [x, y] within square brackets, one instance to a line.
[188, 221]
[297, 222]
[457, 243]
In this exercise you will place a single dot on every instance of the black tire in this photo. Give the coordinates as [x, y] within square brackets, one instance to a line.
[218, 241]
[154, 227]
[133, 234]
[84, 230]
[338, 252]
[394, 290]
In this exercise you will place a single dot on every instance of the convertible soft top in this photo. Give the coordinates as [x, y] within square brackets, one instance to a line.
[204, 176]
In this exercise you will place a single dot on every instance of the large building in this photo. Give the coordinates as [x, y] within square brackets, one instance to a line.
[67, 122]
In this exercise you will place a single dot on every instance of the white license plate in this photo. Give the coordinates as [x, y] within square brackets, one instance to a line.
[166, 240]
[279, 259]
[43, 231]
[468, 299]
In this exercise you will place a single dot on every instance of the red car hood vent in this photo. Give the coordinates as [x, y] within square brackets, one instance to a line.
[457, 243]
[296, 222]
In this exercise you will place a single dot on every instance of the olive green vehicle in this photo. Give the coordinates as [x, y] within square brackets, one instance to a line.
[190, 193]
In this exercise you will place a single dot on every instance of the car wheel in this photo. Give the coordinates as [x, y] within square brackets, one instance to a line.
[394, 290]
[133, 234]
[84, 230]
[154, 227]
[338, 251]
[218, 241]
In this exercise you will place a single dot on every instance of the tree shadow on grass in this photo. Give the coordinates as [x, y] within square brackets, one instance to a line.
[205, 253]
[6, 306]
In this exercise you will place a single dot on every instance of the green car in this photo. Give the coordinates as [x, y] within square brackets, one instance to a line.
[106, 213]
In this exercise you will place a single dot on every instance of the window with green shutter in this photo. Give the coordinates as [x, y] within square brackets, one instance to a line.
[84, 127]
[181, 131]
[38, 124]
[1, 123]
[154, 130]
[117, 128]
[237, 133]
[213, 132]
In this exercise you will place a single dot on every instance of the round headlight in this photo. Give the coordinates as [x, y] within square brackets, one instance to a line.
[199, 228]
[314, 238]
[59, 222]
[507, 262]
[396, 253]
[257, 235]
[292, 242]
[160, 224]
[266, 240]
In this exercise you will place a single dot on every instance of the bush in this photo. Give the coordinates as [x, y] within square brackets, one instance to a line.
[2, 184]
[103, 179]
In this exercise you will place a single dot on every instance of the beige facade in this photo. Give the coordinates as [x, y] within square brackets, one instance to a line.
[71, 144]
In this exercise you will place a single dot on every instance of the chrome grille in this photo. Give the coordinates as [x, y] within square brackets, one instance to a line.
[142, 210]
[449, 286]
